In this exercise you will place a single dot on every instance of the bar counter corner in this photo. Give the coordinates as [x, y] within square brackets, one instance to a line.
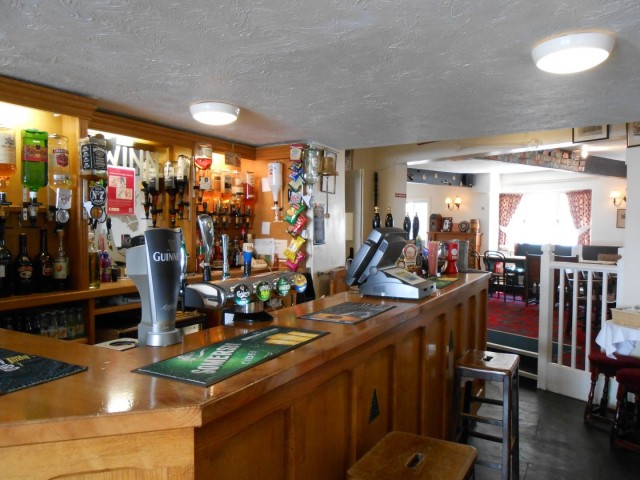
[309, 413]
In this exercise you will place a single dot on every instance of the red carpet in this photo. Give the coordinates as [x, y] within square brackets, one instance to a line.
[513, 324]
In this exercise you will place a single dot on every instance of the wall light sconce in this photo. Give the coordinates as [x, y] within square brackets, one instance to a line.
[617, 198]
[214, 113]
[573, 52]
[455, 203]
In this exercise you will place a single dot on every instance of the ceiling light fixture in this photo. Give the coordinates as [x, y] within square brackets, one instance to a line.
[214, 113]
[573, 52]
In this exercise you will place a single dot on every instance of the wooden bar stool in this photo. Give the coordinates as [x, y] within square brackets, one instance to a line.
[600, 364]
[625, 431]
[494, 367]
[401, 455]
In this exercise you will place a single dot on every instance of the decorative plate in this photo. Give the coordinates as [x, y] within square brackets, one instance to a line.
[463, 226]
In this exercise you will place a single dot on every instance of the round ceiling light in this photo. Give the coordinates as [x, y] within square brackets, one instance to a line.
[214, 113]
[573, 52]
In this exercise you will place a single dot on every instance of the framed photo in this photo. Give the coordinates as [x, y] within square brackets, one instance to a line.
[621, 216]
[447, 224]
[591, 133]
[633, 134]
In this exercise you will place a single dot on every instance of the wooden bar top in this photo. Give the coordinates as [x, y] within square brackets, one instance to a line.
[108, 399]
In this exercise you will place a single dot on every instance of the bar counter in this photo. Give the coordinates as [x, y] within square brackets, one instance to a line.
[308, 413]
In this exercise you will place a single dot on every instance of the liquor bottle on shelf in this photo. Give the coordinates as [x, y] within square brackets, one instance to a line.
[182, 181]
[43, 266]
[376, 218]
[388, 221]
[35, 166]
[170, 172]
[416, 226]
[94, 263]
[60, 264]
[93, 154]
[59, 175]
[105, 267]
[6, 265]
[202, 161]
[406, 225]
[7, 155]
[250, 192]
[23, 269]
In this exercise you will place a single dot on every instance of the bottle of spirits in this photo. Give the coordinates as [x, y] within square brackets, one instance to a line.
[388, 221]
[376, 218]
[6, 265]
[105, 267]
[61, 264]
[23, 268]
[94, 263]
[43, 267]
[7, 154]
[406, 225]
[35, 161]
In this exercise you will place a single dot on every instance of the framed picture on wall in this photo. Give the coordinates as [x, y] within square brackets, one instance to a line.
[590, 133]
[621, 216]
[633, 134]
[447, 224]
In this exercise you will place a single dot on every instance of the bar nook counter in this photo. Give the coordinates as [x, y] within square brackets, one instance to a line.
[307, 414]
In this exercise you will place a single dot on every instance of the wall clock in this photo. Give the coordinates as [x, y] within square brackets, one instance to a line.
[463, 226]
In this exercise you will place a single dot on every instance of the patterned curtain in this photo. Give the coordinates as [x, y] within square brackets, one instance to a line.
[580, 208]
[508, 205]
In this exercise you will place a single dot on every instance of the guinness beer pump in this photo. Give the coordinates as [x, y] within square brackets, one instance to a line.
[155, 268]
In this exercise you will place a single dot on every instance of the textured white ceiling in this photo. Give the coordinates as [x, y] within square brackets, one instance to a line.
[345, 74]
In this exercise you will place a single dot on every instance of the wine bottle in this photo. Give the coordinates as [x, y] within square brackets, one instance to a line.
[43, 267]
[406, 226]
[388, 221]
[6, 265]
[376, 218]
[94, 263]
[416, 226]
[23, 268]
[60, 264]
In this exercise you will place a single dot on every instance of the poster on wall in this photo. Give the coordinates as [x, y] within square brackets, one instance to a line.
[120, 190]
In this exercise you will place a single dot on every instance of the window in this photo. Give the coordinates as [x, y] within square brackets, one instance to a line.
[542, 218]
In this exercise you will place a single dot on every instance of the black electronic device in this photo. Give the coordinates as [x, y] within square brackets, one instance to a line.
[374, 269]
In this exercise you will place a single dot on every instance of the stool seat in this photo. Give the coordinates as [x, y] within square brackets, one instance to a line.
[494, 363]
[490, 367]
[401, 455]
[601, 364]
[625, 431]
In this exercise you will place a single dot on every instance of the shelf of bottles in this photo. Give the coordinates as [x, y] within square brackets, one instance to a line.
[35, 201]
[228, 195]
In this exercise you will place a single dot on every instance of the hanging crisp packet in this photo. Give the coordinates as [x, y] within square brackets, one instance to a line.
[295, 264]
[293, 211]
[296, 152]
[293, 248]
[296, 230]
[296, 184]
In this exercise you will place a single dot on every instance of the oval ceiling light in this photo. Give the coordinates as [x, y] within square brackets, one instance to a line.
[214, 113]
[573, 52]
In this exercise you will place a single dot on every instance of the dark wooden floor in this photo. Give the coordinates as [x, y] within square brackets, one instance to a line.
[555, 444]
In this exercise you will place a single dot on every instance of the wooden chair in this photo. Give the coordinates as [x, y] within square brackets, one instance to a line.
[532, 278]
[501, 278]
[626, 423]
[475, 260]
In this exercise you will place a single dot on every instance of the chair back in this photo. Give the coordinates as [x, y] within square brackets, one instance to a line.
[494, 261]
[532, 268]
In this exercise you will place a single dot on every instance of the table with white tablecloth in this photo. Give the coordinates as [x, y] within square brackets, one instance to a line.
[616, 338]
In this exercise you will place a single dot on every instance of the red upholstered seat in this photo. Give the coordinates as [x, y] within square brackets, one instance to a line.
[626, 424]
[630, 378]
[600, 364]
